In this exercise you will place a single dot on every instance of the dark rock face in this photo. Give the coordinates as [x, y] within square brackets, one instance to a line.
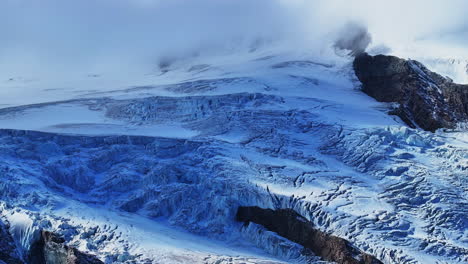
[51, 249]
[427, 100]
[287, 223]
[8, 252]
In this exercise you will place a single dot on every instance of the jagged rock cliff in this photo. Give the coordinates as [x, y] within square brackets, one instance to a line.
[289, 224]
[426, 99]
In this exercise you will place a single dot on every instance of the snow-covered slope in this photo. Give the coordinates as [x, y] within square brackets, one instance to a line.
[154, 171]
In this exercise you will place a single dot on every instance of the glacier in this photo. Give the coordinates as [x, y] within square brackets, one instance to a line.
[154, 172]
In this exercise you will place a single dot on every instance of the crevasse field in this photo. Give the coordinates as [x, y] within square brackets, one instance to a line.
[148, 163]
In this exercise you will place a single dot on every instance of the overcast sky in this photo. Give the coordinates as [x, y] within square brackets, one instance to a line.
[34, 32]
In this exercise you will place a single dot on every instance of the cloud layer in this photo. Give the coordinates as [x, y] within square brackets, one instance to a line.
[95, 33]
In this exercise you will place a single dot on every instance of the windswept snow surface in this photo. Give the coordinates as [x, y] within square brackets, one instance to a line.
[153, 172]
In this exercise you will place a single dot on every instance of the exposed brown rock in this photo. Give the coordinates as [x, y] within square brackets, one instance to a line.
[51, 249]
[426, 99]
[288, 224]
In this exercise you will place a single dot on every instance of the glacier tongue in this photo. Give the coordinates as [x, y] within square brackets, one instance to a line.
[155, 174]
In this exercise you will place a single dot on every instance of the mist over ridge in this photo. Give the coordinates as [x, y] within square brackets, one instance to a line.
[99, 32]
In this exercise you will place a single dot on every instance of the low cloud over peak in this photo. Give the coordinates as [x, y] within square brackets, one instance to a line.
[96, 32]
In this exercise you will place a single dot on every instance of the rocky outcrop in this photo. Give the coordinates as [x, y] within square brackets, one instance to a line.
[8, 251]
[426, 99]
[51, 249]
[287, 223]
